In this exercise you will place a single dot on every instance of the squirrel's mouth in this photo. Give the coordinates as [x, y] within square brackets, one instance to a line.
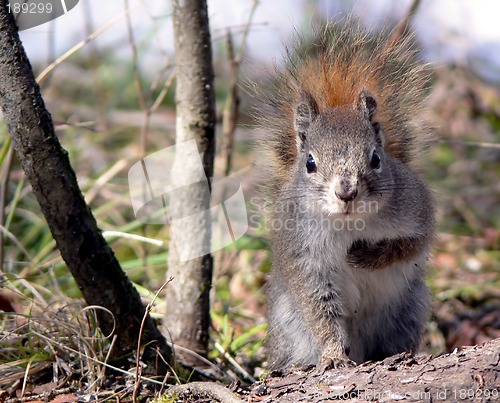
[347, 208]
[340, 209]
[353, 208]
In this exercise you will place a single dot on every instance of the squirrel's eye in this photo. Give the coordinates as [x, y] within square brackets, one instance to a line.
[311, 164]
[375, 162]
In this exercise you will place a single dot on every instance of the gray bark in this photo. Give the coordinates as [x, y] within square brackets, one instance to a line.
[74, 228]
[468, 374]
[190, 262]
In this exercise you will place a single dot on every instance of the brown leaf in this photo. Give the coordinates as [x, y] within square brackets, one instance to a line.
[9, 302]
[69, 398]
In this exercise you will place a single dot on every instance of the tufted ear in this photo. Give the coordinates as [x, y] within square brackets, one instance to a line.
[367, 104]
[305, 112]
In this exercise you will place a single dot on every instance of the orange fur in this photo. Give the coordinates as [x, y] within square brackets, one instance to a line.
[333, 68]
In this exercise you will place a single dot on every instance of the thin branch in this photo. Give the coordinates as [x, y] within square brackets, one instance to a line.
[84, 125]
[149, 307]
[199, 390]
[233, 362]
[241, 53]
[163, 92]
[135, 60]
[231, 107]
[144, 103]
[401, 30]
[230, 113]
[95, 64]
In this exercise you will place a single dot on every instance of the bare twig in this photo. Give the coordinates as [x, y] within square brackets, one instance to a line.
[241, 52]
[230, 113]
[401, 30]
[135, 63]
[197, 356]
[149, 307]
[210, 390]
[163, 92]
[138, 83]
[146, 105]
[43, 397]
[84, 125]
[233, 362]
[231, 107]
[95, 63]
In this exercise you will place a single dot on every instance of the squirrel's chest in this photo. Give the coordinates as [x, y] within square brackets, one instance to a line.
[360, 291]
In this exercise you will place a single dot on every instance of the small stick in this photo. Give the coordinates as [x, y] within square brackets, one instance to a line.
[149, 307]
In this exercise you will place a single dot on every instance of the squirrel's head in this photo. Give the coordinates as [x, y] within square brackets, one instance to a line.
[341, 155]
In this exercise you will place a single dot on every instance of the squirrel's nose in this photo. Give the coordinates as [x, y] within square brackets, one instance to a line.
[346, 191]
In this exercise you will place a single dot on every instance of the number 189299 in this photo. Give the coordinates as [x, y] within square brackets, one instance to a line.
[30, 8]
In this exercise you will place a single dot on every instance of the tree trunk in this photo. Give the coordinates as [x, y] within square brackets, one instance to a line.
[48, 170]
[190, 262]
[467, 374]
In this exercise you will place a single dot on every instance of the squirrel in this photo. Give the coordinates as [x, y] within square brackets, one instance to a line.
[352, 221]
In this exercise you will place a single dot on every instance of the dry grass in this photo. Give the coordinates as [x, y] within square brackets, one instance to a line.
[56, 341]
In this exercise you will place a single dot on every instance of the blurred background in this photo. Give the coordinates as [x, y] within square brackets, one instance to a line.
[107, 78]
[463, 32]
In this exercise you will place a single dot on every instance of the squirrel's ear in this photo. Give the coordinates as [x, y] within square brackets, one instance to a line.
[367, 104]
[305, 112]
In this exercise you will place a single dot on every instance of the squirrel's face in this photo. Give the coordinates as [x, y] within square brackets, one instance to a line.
[342, 157]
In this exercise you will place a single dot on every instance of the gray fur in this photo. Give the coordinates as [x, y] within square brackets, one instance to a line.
[323, 310]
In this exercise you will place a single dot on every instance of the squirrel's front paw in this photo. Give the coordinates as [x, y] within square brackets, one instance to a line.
[362, 255]
[328, 362]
